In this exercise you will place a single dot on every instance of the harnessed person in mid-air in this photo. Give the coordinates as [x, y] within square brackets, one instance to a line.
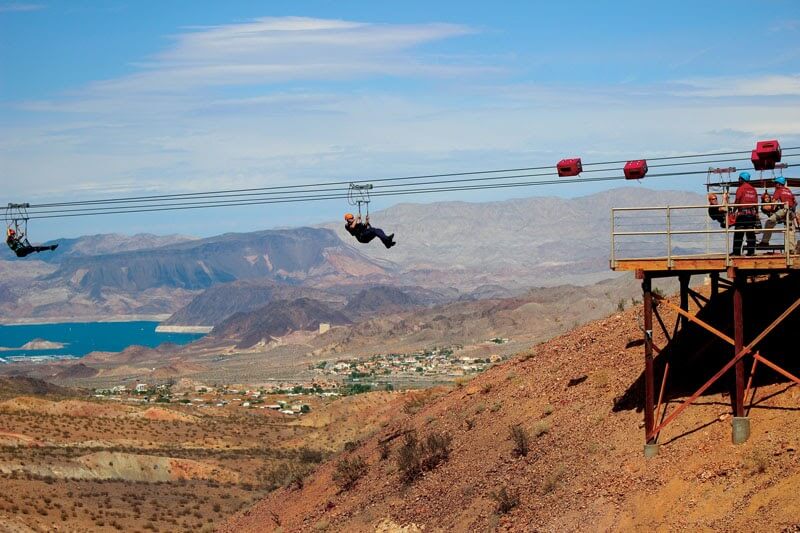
[19, 244]
[364, 233]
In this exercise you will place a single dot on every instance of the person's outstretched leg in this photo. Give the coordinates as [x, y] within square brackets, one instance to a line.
[386, 239]
[366, 236]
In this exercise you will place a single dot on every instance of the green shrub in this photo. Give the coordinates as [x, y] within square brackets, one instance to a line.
[541, 428]
[416, 456]
[384, 451]
[521, 441]
[506, 500]
[307, 455]
[349, 471]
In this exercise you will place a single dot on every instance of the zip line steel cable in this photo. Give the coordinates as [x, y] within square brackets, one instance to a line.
[236, 194]
[204, 194]
[294, 199]
[290, 199]
[304, 194]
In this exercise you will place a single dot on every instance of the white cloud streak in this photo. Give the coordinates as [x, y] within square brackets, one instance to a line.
[275, 50]
[753, 86]
[20, 8]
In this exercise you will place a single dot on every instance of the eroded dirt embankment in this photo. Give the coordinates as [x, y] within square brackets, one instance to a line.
[576, 397]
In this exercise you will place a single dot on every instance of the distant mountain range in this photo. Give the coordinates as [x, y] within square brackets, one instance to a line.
[161, 280]
[522, 242]
[446, 251]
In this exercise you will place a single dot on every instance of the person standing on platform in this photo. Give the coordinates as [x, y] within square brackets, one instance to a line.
[715, 211]
[780, 213]
[746, 216]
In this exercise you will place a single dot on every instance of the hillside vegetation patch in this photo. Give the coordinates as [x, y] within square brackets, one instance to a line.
[520, 439]
[349, 471]
[417, 456]
[505, 500]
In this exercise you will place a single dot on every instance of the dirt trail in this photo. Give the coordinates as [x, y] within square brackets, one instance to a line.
[585, 470]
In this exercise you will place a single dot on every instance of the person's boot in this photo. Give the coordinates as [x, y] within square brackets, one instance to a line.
[53, 247]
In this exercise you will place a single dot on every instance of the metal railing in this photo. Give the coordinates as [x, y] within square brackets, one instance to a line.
[686, 231]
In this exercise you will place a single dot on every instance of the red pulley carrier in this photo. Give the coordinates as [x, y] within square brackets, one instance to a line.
[569, 167]
[770, 150]
[635, 170]
[766, 154]
[761, 164]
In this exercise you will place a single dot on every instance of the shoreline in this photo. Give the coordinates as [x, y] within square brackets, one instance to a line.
[184, 329]
[38, 321]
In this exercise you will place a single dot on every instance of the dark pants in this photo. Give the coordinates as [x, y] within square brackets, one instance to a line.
[717, 215]
[370, 233]
[745, 222]
[24, 250]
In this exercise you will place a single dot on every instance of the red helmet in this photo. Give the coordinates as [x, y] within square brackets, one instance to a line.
[349, 216]
[11, 231]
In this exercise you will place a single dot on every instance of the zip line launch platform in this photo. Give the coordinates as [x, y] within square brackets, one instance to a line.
[681, 242]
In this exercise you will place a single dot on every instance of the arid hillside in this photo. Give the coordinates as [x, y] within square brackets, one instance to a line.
[70, 462]
[551, 441]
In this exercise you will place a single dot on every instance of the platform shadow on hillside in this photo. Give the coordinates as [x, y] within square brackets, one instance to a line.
[695, 355]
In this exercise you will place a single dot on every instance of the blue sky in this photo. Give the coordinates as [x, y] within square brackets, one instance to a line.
[115, 98]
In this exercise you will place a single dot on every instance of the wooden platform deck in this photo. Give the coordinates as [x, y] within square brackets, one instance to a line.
[709, 263]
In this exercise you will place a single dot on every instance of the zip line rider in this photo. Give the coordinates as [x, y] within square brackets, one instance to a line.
[746, 216]
[364, 233]
[778, 215]
[19, 244]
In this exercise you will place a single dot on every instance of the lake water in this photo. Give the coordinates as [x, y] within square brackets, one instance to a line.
[80, 338]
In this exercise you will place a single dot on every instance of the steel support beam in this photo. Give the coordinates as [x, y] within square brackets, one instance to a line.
[744, 351]
[738, 336]
[649, 377]
[714, 284]
[684, 283]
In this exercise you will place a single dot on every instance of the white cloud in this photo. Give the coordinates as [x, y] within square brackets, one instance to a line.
[754, 86]
[272, 50]
[19, 8]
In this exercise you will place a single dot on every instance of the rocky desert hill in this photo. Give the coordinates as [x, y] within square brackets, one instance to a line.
[551, 441]
[278, 319]
[11, 386]
[214, 305]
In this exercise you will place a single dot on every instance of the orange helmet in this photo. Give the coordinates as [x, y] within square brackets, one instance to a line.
[349, 216]
[11, 231]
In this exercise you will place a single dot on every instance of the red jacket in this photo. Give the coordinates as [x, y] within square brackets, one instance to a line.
[785, 195]
[746, 194]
